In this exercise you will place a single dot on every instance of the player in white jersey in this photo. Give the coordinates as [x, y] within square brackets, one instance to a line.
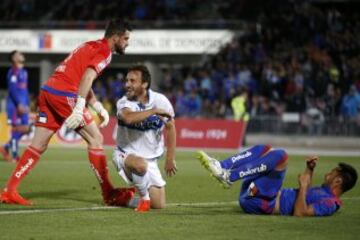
[142, 116]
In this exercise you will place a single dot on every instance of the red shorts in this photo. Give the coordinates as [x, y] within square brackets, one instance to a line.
[54, 109]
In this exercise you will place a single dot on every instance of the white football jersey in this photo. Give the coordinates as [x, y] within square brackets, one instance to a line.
[145, 139]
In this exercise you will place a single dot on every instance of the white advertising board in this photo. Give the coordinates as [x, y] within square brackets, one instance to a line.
[141, 41]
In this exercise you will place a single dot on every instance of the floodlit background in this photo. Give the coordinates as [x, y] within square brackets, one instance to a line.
[294, 65]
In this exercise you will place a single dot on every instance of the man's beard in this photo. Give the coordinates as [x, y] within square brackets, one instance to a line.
[130, 97]
[119, 50]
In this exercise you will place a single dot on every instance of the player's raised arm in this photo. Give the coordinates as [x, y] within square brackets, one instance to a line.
[301, 208]
[311, 162]
[98, 108]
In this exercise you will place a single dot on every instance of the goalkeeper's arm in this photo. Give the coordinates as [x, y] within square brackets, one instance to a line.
[76, 117]
[98, 108]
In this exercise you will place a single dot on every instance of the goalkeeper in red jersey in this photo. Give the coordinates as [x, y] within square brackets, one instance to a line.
[64, 98]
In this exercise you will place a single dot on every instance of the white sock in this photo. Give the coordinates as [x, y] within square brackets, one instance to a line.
[141, 183]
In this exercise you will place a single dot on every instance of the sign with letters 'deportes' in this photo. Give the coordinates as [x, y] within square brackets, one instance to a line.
[141, 41]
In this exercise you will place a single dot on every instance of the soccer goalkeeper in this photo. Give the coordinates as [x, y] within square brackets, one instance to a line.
[263, 169]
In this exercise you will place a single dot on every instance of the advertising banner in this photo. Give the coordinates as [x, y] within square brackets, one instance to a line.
[190, 133]
[141, 41]
[209, 133]
[193, 133]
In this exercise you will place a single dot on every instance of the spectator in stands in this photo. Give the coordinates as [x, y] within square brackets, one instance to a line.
[180, 104]
[193, 104]
[314, 118]
[351, 104]
[100, 90]
[190, 83]
[239, 106]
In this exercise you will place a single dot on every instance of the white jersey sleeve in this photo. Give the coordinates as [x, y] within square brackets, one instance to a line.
[163, 103]
[121, 104]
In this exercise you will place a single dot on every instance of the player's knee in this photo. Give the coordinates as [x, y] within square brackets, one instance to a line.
[136, 164]
[100, 138]
[283, 159]
[95, 141]
[140, 167]
[263, 148]
[40, 148]
[283, 155]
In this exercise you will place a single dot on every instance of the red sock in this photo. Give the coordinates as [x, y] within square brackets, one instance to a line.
[98, 163]
[27, 161]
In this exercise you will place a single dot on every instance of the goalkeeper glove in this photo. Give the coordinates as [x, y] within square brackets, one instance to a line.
[101, 111]
[76, 118]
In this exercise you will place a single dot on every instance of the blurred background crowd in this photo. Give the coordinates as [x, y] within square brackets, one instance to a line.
[294, 57]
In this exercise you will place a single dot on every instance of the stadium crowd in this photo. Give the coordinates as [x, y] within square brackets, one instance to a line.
[299, 57]
[78, 14]
[303, 59]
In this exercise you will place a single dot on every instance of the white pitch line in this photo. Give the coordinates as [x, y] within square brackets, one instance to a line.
[33, 211]
[95, 208]
[110, 207]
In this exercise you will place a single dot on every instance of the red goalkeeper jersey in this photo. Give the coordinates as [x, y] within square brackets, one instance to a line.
[67, 76]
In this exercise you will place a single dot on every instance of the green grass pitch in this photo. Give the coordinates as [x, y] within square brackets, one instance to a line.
[67, 197]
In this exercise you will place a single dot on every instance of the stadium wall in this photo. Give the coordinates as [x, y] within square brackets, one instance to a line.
[191, 133]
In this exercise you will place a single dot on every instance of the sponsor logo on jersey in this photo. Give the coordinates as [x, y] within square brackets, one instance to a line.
[251, 171]
[13, 79]
[101, 66]
[241, 156]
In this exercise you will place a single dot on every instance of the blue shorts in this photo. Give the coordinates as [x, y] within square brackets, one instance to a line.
[258, 194]
[15, 119]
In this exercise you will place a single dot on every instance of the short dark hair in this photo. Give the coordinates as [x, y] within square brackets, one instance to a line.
[349, 176]
[11, 55]
[116, 26]
[145, 73]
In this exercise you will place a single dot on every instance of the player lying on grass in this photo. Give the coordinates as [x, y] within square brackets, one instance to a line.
[263, 170]
[143, 114]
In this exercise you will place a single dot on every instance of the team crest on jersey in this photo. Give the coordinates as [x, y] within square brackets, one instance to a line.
[13, 79]
[42, 118]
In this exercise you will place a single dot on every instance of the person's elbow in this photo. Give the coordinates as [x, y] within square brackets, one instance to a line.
[170, 125]
[304, 212]
[299, 214]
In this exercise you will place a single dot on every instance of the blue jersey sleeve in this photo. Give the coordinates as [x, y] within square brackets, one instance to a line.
[12, 80]
[325, 207]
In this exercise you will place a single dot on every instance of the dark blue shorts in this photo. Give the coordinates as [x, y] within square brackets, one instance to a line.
[15, 119]
[258, 194]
